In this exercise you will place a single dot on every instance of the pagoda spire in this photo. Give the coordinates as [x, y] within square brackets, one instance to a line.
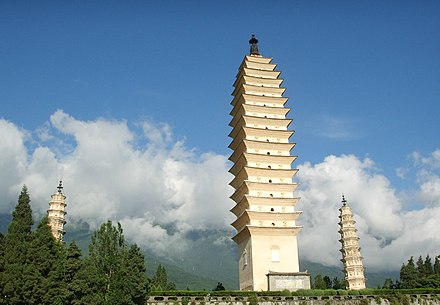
[351, 251]
[60, 187]
[254, 45]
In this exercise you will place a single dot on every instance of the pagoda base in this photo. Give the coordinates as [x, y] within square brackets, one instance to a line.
[292, 281]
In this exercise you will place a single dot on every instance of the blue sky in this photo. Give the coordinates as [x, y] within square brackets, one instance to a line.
[363, 78]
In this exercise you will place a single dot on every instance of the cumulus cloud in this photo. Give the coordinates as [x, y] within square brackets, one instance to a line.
[428, 177]
[388, 233]
[160, 190]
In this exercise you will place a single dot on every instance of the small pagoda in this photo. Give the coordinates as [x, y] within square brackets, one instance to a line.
[264, 187]
[57, 212]
[351, 251]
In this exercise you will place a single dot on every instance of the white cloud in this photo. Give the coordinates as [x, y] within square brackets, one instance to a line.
[160, 190]
[433, 160]
[388, 234]
[428, 177]
[13, 162]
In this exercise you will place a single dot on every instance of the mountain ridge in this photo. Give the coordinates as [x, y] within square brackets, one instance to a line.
[207, 262]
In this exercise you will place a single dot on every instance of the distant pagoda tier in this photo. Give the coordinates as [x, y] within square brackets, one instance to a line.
[264, 188]
[351, 251]
[57, 212]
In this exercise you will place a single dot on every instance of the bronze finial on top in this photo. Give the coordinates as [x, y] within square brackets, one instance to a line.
[60, 187]
[344, 202]
[254, 47]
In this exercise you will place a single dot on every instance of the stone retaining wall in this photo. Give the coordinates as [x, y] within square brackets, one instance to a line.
[425, 299]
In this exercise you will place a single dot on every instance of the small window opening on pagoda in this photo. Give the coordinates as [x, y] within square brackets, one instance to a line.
[268, 152]
[271, 195]
[272, 210]
[275, 253]
[270, 181]
[269, 167]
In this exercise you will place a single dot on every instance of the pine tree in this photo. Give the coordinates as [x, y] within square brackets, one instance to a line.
[18, 275]
[437, 265]
[408, 275]
[336, 284]
[2, 254]
[328, 282]
[137, 281]
[388, 284]
[74, 276]
[160, 279]
[130, 281]
[420, 266]
[2, 265]
[160, 282]
[48, 258]
[318, 282]
[427, 266]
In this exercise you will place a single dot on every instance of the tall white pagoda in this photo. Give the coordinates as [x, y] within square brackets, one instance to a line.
[351, 251]
[56, 213]
[264, 188]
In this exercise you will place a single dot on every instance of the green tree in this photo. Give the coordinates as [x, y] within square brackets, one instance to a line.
[74, 284]
[92, 285]
[420, 267]
[2, 254]
[437, 265]
[219, 287]
[47, 257]
[2, 265]
[318, 282]
[337, 284]
[160, 282]
[18, 276]
[388, 284]
[328, 282]
[105, 253]
[408, 275]
[81, 278]
[133, 281]
[119, 276]
[427, 266]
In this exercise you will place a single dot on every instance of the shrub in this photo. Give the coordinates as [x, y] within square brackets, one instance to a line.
[367, 291]
[330, 292]
[353, 292]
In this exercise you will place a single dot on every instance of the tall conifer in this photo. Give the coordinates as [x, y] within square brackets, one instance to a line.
[75, 277]
[428, 266]
[48, 257]
[437, 265]
[408, 275]
[18, 274]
